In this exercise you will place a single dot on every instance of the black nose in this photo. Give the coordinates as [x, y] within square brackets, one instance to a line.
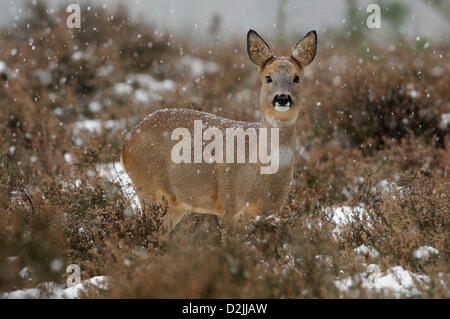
[282, 99]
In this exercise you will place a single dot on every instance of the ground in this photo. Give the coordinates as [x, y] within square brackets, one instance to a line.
[367, 217]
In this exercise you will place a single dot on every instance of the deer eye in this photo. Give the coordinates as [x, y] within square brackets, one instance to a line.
[268, 79]
[296, 78]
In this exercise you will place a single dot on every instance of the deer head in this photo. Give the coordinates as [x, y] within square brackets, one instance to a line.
[281, 77]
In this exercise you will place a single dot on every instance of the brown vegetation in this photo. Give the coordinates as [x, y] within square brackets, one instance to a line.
[370, 121]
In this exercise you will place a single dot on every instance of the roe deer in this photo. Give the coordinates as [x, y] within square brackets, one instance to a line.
[229, 190]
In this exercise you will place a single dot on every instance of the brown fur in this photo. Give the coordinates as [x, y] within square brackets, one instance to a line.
[227, 190]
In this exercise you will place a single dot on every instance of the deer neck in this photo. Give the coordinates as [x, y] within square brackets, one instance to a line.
[287, 131]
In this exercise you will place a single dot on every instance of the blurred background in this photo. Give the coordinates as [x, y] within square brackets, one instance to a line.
[371, 184]
[202, 18]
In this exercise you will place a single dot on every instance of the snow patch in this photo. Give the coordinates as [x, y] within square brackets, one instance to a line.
[148, 82]
[52, 291]
[367, 251]
[345, 215]
[123, 89]
[5, 70]
[342, 216]
[2, 67]
[396, 281]
[96, 126]
[115, 173]
[95, 106]
[147, 90]
[425, 252]
[68, 158]
[445, 121]
[198, 66]
[92, 126]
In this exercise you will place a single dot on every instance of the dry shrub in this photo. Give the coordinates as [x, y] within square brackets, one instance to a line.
[365, 125]
[363, 99]
[30, 231]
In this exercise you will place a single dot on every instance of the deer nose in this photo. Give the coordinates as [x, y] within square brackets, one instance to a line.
[282, 99]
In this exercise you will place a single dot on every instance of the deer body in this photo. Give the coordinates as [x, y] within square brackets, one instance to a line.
[229, 190]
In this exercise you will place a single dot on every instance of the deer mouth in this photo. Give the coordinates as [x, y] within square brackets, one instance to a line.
[282, 103]
[282, 108]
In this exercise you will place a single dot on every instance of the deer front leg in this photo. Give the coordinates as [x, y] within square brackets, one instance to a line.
[175, 211]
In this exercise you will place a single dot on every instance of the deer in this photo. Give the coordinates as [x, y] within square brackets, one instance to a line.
[228, 190]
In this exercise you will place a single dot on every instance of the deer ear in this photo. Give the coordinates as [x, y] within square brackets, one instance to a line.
[305, 50]
[258, 50]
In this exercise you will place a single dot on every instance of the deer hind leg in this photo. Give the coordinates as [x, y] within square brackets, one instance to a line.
[175, 211]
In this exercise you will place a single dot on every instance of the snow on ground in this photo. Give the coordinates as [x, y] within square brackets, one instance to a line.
[123, 88]
[84, 55]
[342, 216]
[146, 81]
[345, 214]
[96, 126]
[2, 66]
[367, 251]
[92, 126]
[50, 290]
[148, 87]
[396, 281]
[386, 186]
[198, 66]
[445, 121]
[4, 69]
[425, 252]
[114, 172]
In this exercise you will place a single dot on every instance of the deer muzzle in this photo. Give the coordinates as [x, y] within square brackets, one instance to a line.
[282, 102]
